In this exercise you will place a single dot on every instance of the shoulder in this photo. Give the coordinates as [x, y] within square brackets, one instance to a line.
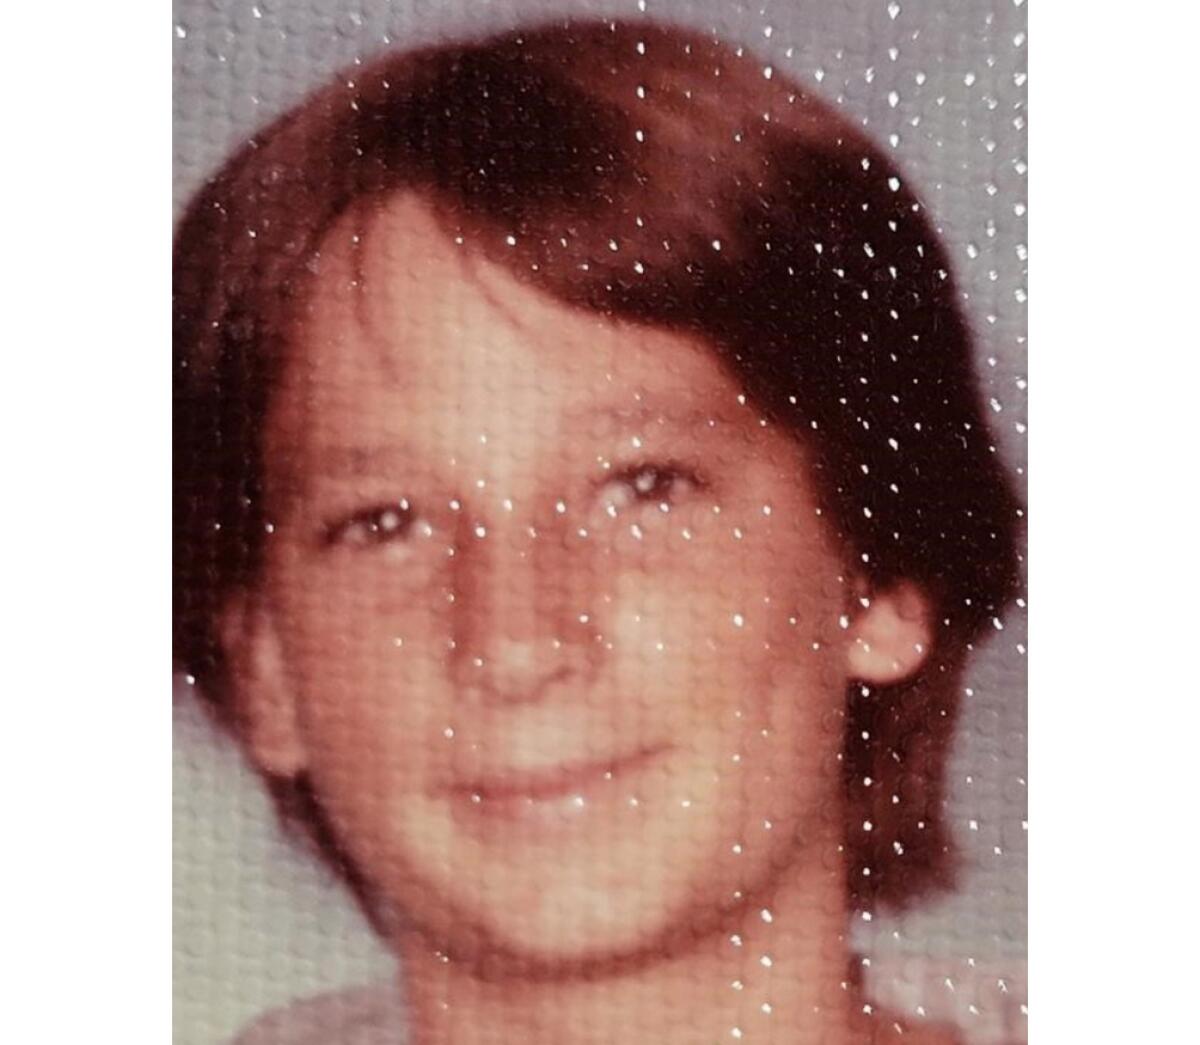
[361, 1016]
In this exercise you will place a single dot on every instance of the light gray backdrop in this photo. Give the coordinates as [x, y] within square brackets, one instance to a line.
[256, 921]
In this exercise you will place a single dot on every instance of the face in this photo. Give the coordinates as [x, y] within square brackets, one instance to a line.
[549, 614]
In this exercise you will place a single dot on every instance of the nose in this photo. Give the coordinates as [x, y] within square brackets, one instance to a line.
[525, 627]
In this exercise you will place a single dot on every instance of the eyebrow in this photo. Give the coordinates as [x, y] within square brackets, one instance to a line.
[653, 413]
[295, 476]
[363, 460]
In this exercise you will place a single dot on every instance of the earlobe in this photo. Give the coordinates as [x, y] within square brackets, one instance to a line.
[264, 707]
[889, 638]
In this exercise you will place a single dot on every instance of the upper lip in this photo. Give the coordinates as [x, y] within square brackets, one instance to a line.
[549, 782]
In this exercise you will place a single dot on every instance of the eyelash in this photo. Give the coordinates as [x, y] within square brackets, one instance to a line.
[660, 490]
[372, 526]
[380, 524]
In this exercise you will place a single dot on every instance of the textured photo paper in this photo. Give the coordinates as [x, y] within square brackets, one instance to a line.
[599, 523]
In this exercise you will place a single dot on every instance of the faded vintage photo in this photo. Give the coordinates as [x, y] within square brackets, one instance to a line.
[599, 524]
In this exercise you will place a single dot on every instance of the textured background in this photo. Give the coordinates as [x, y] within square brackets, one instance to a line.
[257, 922]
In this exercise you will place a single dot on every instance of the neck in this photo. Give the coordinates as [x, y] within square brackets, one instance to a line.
[773, 978]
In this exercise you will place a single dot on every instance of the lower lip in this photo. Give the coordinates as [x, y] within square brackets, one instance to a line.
[578, 799]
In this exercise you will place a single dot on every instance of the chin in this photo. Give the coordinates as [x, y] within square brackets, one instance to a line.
[579, 925]
[576, 938]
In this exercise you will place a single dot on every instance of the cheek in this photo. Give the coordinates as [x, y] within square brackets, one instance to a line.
[737, 587]
[735, 638]
[365, 659]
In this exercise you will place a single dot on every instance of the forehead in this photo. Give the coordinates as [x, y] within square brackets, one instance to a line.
[404, 317]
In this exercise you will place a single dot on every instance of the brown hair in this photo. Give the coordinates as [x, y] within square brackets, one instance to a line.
[655, 175]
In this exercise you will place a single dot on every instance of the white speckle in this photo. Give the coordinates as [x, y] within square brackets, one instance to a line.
[511, 240]
[767, 72]
[893, 10]
[894, 184]
[738, 620]
[893, 99]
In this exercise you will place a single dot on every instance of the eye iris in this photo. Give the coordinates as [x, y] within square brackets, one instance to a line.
[648, 481]
[389, 522]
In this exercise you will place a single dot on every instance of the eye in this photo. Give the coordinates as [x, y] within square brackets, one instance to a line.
[370, 527]
[660, 484]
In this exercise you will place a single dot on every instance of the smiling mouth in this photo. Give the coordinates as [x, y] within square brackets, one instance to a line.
[558, 795]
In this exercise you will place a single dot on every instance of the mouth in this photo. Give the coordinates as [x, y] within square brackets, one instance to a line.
[557, 796]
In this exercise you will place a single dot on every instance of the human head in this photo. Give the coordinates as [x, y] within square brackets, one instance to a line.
[673, 185]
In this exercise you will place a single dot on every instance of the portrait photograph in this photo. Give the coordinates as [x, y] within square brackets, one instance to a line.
[599, 574]
[599, 522]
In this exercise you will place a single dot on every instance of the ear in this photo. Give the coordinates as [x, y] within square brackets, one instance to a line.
[890, 635]
[265, 709]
